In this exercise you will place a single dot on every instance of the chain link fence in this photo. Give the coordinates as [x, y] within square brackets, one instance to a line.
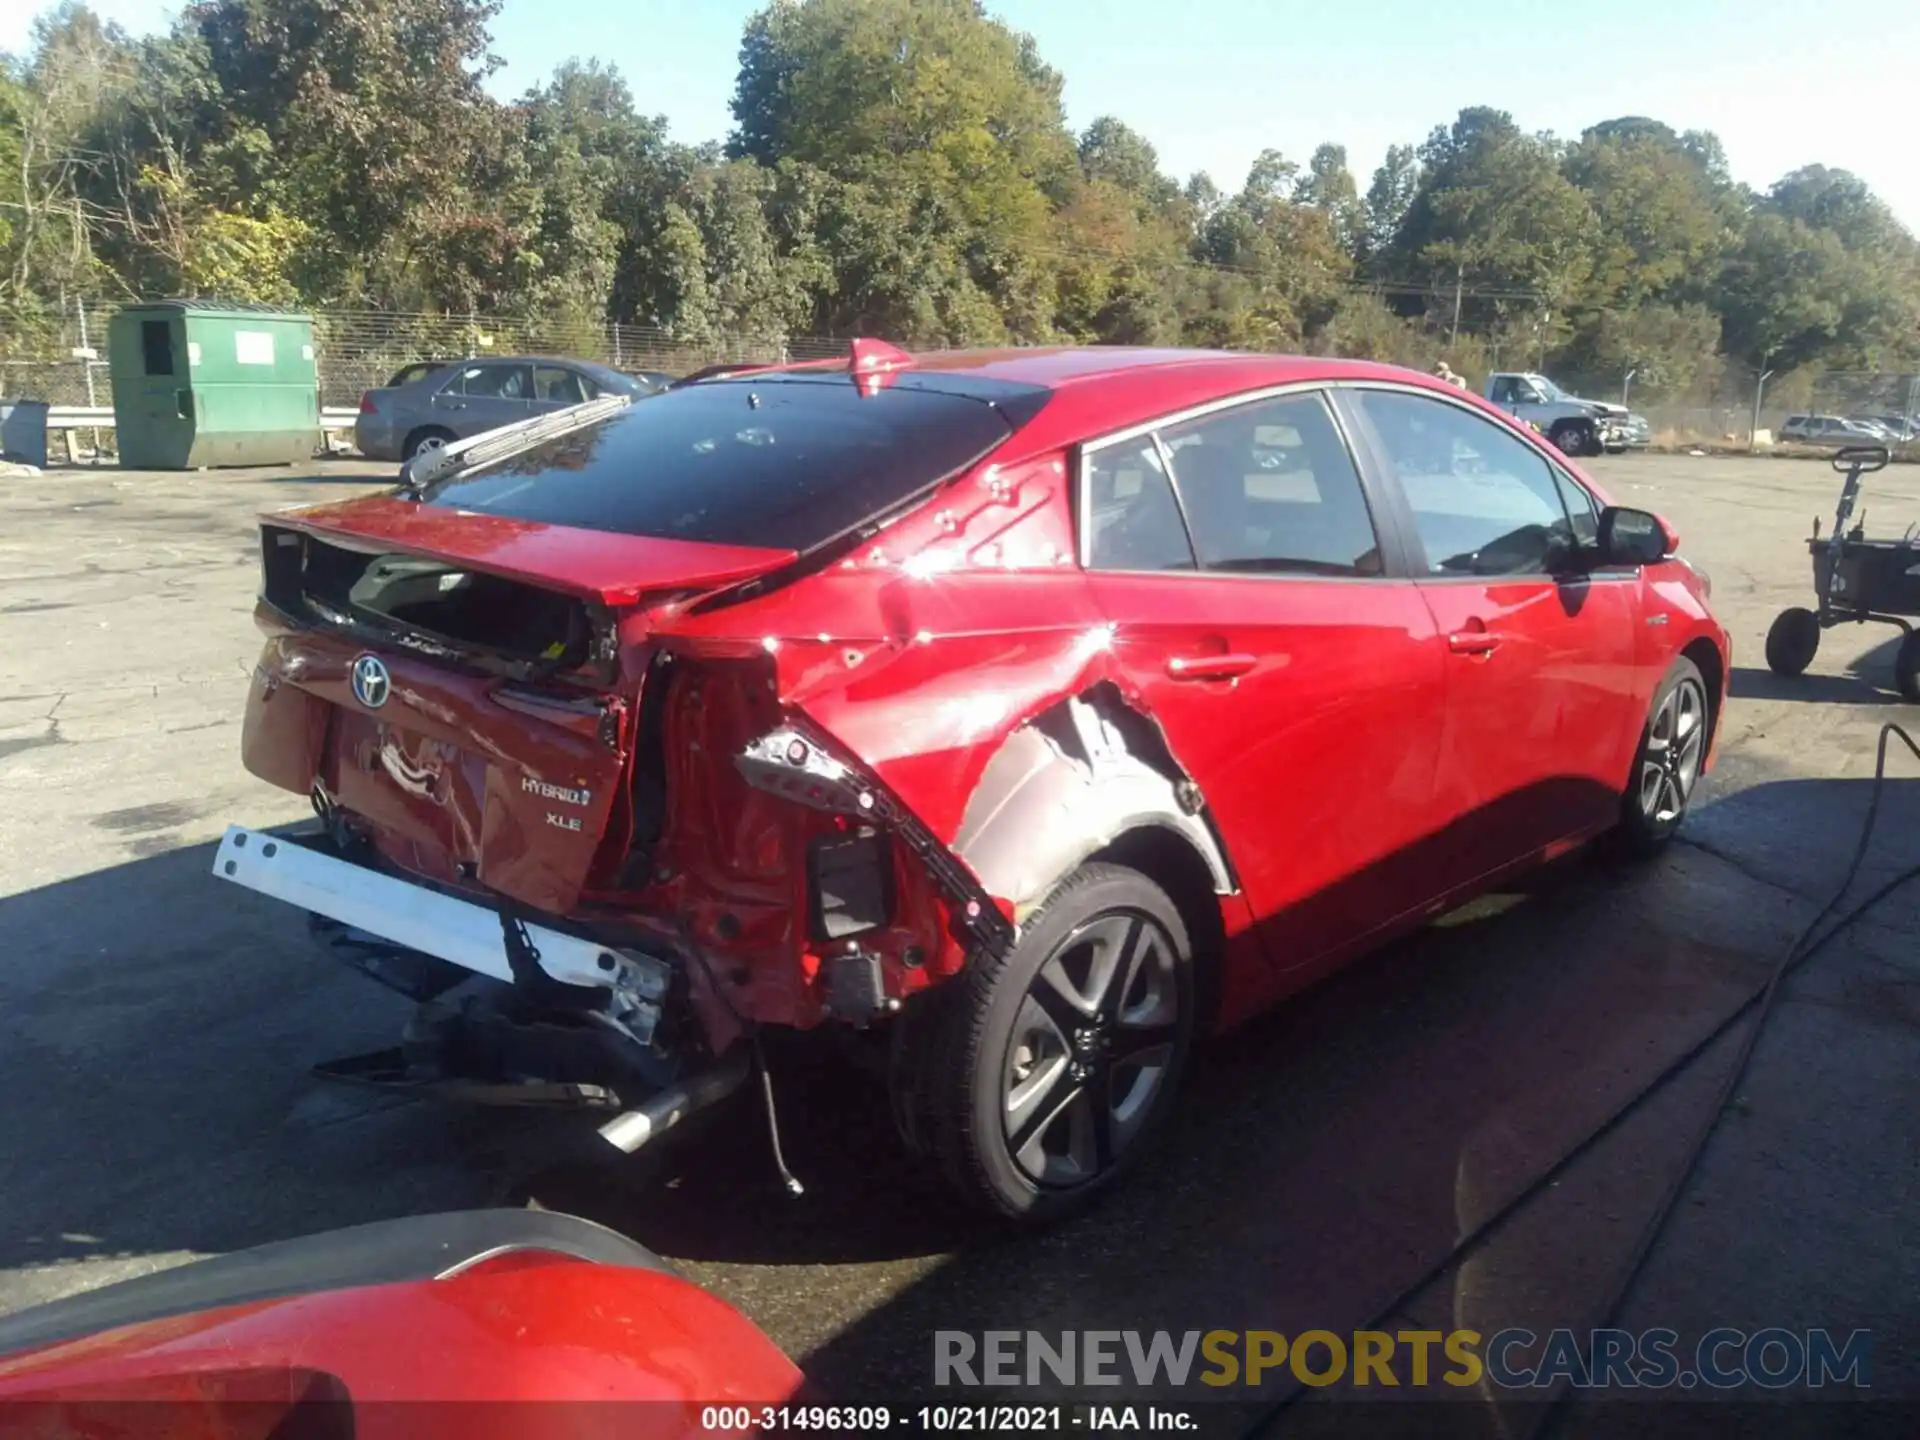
[1887, 400]
[59, 356]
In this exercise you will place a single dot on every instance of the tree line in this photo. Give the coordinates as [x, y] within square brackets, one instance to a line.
[899, 168]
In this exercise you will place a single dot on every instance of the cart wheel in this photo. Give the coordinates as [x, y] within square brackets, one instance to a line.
[1906, 666]
[1792, 641]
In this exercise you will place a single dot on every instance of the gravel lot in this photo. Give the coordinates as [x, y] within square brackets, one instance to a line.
[155, 1027]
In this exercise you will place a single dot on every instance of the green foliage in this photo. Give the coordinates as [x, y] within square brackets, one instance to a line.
[1389, 197]
[1329, 188]
[1660, 228]
[1110, 151]
[898, 167]
[1492, 211]
[1668, 349]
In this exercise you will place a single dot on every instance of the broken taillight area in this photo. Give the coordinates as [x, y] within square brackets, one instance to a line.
[788, 763]
[800, 767]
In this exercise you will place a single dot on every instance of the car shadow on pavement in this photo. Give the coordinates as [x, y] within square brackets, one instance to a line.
[156, 1028]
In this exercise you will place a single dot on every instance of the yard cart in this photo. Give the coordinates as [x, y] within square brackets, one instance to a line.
[1854, 580]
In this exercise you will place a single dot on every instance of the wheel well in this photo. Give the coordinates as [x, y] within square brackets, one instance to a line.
[1166, 858]
[1706, 655]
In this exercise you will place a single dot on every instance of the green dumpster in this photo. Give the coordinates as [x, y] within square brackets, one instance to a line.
[206, 382]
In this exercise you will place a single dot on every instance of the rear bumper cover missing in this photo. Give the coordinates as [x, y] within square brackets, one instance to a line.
[444, 926]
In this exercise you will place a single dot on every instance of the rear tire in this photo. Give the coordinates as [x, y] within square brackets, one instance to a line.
[1666, 765]
[1792, 641]
[427, 437]
[1052, 1068]
[1906, 667]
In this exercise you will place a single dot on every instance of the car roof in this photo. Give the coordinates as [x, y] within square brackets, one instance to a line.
[572, 360]
[1101, 389]
[1063, 367]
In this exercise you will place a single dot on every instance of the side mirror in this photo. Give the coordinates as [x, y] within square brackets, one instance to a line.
[1634, 537]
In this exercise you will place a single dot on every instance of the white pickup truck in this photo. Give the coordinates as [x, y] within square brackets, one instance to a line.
[1576, 426]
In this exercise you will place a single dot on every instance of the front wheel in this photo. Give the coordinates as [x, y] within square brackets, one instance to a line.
[1906, 666]
[1574, 437]
[1792, 641]
[1061, 1059]
[1667, 765]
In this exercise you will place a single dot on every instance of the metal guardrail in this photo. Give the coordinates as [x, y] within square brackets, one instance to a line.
[100, 417]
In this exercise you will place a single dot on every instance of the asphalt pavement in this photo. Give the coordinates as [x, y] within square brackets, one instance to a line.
[156, 1026]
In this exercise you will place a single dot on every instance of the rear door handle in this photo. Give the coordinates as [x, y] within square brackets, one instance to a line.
[1210, 667]
[1472, 642]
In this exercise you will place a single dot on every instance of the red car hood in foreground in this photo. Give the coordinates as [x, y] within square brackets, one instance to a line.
[421, 1327]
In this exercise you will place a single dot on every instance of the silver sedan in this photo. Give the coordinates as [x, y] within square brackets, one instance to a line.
[429, 404]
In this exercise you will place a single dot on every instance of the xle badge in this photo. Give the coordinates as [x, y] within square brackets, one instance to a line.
[563, 822]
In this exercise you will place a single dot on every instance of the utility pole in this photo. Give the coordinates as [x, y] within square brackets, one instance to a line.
[1759, 389]
[86, 349]
[1459, 290]
[1626, 385]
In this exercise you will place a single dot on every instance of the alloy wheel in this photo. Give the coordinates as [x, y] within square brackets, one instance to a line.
[1675, 742]
[1092, 1047]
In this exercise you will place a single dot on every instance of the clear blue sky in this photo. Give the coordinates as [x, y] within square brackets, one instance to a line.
[1213, 82]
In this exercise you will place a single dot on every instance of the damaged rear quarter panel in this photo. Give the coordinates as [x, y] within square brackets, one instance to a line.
[926, 646]
[928, 652]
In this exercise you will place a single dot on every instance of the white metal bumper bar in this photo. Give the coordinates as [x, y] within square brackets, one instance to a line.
[414, 917]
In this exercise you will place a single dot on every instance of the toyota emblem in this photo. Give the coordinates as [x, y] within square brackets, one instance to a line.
[371, 683]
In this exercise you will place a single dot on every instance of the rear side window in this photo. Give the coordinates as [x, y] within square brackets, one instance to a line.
[1270, 488]
[784, 462]
[562, 386]
[493, 382]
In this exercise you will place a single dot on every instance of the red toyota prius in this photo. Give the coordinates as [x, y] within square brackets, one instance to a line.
[1024, 715]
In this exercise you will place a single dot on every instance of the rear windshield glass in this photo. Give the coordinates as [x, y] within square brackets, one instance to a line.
[787, 462]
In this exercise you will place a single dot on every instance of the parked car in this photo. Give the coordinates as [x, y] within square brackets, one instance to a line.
[1900, 428]
[1022, 715]
[1830, 430]
[1576, 426]
[362, 1332]
[431, 403]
